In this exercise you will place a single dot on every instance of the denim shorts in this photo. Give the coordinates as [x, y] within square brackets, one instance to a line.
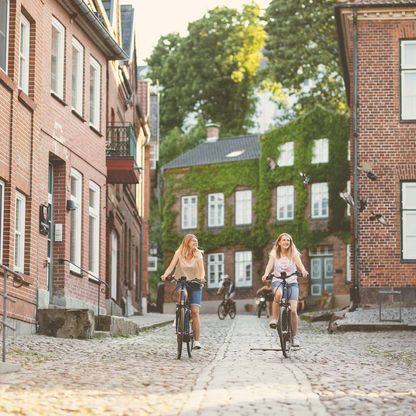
[194, 293]
[292, 288]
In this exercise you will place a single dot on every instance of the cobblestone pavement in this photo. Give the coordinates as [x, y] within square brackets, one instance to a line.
[341, 374]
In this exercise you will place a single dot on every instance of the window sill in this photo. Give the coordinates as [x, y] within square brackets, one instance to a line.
[59, 99]
[76, 272]
[78, 115]
[93, 280]
[6, 80]
[26, 100]
[95, 130]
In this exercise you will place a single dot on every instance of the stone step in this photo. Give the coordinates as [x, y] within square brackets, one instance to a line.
[102, 334]
[116, 325]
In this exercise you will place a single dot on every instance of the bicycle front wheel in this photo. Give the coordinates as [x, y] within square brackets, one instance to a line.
[222, 311]
[180, 330]
[189, 333]
[232, 311]
[283, 329]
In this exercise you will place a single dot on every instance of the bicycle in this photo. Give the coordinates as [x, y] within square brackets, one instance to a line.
[226, 307]
[184, 331]
[284, 325]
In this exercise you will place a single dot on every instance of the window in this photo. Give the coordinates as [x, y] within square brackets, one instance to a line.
[95, 95]
[57, 58]
[1, 219]
[215, 269]
[319, 200]
[243, 208]
[243, 269]
[349, 192]
[152, 264]
[154, 154]
[94, 229]
[348, 274]
[77, 75]
[408, 214]
[189, 212]
[320, 151]
[215, 210]
[4, 33]
[76, 220]
[408, 79]
[285, 202]
[286, 154]
[24, 55]
[19, 233]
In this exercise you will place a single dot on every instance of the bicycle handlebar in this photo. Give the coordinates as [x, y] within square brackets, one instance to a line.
[283, 275]
[172, 277]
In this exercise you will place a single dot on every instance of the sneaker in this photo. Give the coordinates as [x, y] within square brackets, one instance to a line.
[295, 341]
[197, 345]
[174, 323]
[273, 324]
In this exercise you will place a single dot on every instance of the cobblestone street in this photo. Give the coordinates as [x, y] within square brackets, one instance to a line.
[350, 373]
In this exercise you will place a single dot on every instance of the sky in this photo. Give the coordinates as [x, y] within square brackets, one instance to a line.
[155, 18]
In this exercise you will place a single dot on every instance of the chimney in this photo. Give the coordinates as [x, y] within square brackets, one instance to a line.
[213, 132]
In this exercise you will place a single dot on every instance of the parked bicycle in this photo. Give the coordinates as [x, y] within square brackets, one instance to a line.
[284, 326]
[226, 307]
[183, 320]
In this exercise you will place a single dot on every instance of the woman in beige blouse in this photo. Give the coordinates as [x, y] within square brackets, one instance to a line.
[188, 262]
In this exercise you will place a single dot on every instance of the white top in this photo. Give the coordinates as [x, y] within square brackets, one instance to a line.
[188, 268]
[283, 264]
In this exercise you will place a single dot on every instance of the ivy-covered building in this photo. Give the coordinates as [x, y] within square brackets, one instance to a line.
[238, 193]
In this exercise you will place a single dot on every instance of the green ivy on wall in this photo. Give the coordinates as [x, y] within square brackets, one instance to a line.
[256, 175]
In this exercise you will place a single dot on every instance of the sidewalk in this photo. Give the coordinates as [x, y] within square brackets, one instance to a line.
[151, 320]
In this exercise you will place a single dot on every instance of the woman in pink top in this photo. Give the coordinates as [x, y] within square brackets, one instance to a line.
[285, 257]
[188, 262]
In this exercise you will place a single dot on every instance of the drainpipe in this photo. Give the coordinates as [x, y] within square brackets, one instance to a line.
[355, 289]
[140, 268]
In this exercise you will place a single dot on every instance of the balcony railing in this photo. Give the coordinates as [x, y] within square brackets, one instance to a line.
[121, 141]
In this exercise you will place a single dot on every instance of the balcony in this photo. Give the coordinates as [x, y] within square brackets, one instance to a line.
[121, 154]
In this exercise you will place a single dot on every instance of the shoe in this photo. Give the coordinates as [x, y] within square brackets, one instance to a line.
[174, 323]
[295, 341]
[273, 324]
[197, 345]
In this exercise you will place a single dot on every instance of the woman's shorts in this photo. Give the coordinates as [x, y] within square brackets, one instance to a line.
[194, 293]
[292, 289]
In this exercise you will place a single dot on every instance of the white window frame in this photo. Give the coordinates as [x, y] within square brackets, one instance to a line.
[243, 207]
[285, 197]
[216, 210]
[94, 207]
[24, 55]
[77, 79]
[286, 154]
[4, 34]
[348, 274]
[189, 212]
[19, 233]
[152, 263]
[408, 221]
[320, 193]
[215, 269]
[114, 264]
[1, 219]
[320, 151]
[58, 89]
[95, 93]
[243, 265]
[76, 223]
[407, 110]
[349, 192]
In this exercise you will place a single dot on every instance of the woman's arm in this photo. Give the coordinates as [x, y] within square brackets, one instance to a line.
[300, 266]
[200, 263]
[171, 266]
[269, 268]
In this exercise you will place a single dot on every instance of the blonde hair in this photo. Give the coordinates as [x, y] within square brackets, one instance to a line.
[185, 249]
[292, 251]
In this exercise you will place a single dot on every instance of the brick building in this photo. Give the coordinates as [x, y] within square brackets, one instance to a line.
[55, 57]
[238, 193]
[377, 42]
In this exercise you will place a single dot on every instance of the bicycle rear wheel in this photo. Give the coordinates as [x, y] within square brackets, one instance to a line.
[180, 326]
[189, 336]
[222, 310]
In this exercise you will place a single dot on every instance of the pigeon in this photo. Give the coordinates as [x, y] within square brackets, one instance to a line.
[340, 314]
[271, 163]
[306, 178]
[363, 204]
[370, 175]
[347, 198]
[378, 217]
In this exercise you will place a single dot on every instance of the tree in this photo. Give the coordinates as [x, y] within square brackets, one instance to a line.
[212, 70]
[302, 54]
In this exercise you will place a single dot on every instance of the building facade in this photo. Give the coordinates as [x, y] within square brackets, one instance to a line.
[377, 42]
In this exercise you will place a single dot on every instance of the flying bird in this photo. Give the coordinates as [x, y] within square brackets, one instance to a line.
[370, 175]
[271, 163]
[306, 178]
[378, 217]
[363, 204]
[347, 198]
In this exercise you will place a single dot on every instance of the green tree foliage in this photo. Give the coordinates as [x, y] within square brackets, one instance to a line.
[212, 70]
[301, 48]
